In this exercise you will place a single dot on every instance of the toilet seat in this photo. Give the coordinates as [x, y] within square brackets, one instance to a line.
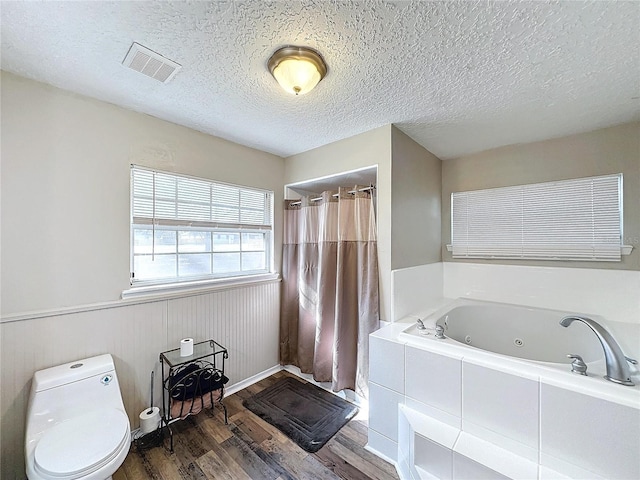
[94, 439]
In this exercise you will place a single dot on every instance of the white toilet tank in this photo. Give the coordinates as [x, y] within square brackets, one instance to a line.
[65, 399]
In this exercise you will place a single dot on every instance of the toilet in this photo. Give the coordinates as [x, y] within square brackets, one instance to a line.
[77, 427]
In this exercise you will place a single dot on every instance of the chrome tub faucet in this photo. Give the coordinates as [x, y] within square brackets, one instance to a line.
[617, 364]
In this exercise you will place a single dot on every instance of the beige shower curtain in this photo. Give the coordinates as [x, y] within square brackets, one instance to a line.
[330, 287]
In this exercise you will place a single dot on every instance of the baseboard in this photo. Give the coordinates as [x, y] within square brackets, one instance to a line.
[383, 457]
[236, 387]
[307, 377]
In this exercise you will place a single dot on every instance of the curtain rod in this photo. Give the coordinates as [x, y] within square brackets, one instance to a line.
[365, 189]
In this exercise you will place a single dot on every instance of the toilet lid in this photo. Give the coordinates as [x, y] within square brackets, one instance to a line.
[83, 444]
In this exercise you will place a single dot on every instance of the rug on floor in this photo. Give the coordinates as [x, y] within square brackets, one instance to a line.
[307, 414]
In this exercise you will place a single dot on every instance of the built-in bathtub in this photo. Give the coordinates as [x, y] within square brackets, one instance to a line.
[497, 398]
[524, 338]
[514, 330]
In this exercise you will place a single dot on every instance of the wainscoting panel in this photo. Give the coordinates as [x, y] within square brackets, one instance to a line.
[244, 319]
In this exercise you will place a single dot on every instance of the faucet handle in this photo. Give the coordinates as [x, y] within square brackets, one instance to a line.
[631, 360]
[577, 365]
[440, 332]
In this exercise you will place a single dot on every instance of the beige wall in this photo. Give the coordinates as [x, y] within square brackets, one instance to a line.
[364, 150]
[65, 190]
[415, 200]
[606, 151]
[65, 243]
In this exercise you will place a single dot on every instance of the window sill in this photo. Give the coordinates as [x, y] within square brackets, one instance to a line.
[201, 286]
[624, 250]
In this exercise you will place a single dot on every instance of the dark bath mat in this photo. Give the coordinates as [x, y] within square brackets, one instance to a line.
[307, 414]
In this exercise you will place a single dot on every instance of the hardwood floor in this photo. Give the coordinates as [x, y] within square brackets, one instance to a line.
[250, 448]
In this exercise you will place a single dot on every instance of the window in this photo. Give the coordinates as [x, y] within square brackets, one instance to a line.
[577, 219]
[185, 228]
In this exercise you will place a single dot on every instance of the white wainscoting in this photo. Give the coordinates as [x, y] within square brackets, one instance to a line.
[244, 319]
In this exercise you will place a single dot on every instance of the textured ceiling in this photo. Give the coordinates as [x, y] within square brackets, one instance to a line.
[458, 77]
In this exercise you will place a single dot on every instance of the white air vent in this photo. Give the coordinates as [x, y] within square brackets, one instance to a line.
[146, 61]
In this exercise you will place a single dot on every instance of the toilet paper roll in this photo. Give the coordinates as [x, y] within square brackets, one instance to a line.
[149, 420]
[186, 347]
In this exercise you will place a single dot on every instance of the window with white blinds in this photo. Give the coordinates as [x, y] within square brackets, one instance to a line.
[578, 219]
[186, 228]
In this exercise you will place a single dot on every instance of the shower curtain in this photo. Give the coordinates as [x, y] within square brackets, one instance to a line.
[330, 298]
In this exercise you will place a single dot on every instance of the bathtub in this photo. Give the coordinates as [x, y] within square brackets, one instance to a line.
[497, 399]
[525, 338]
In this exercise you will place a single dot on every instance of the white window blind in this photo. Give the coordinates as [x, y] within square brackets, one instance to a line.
[186, 228]
[578, 219]
[162, 198]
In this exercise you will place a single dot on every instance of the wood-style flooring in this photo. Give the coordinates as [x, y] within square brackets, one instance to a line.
[249, 448]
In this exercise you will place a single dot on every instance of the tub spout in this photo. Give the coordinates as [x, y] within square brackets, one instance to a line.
[617, 367]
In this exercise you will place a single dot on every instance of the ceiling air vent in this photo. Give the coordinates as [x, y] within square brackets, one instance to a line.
[146, 61]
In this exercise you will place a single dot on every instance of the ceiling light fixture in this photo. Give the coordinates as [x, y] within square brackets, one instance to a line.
[297, 69]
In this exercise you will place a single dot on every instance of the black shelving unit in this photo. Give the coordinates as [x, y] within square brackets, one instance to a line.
[191, 384]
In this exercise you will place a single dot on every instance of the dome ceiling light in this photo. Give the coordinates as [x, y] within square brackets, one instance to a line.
[297, 69]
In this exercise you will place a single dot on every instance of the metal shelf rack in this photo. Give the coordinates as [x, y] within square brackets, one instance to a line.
[191, 384]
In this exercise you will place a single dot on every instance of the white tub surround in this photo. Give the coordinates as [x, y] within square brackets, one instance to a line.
[386, 389]
[432, 449]
[612, 294]
[415, 287]
[463, 412]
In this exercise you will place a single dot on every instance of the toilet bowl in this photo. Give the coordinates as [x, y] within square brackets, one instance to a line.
[77, 427]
